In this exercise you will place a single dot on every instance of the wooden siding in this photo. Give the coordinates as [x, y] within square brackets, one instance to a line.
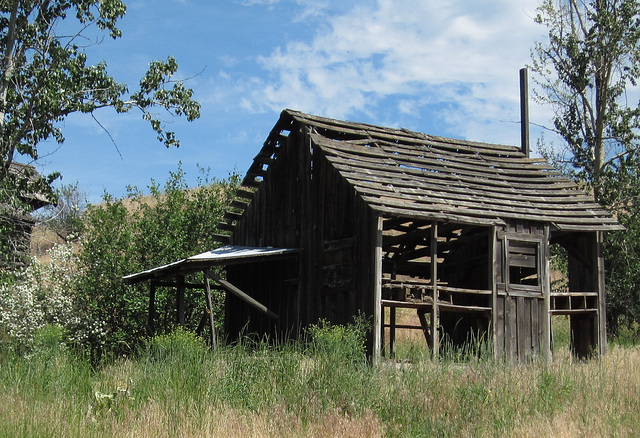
[326, 186]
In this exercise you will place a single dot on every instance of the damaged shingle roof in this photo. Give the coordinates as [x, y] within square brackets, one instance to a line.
[404, 173]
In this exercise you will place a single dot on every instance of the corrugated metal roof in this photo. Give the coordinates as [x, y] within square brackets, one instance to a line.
[225, 255]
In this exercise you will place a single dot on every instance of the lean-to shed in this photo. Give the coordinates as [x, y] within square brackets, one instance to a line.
[386, 218]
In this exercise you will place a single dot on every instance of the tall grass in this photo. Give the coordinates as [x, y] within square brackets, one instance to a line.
[177, 387]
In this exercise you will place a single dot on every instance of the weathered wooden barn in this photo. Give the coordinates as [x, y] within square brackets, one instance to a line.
[374, 219]
[15, 220]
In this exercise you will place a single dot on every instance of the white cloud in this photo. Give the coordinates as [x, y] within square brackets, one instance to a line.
[258, 2]
[463, 55]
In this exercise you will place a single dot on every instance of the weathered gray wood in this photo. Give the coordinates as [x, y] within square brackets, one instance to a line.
[426, 330]
[392, 331]
[180, 299]
[524, 111]
[243, 296]
[600, 283]
[478, 216]
[492, 268]
[435, 341]
[377, 293]
[207, 291]
[152, 309]
[546, 291]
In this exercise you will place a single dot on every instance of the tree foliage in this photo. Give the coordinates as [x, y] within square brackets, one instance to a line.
[45, 76]
[125, 236]
[81, 288]
[588, 71]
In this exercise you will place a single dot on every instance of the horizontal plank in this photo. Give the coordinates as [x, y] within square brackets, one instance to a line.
[513, 207]
[446, 307]
[573, 294]
[388, 211]
[433, 159]
[226, 226]
[357, 130]
[400, 184]
[456, 213]
[572, 311]
[405, 304]
[488, 178]
[404, 326]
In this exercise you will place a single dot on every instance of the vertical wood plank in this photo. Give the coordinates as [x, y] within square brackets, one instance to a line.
[493, 266]
[377, 295]
[512, 330]
[526, 334]
[500, 333]
[152, 309]
[599, 262]
[180, 300]
[536, 329]
[519, 327]
[392, 332]
[207, 291]
[546, 292]
[435, 312]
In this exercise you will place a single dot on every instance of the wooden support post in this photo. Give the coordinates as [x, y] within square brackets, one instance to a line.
[546, 292]
[392, 332]
[180, 300]
[152, 309]
[524, 111]
[377, 293]
[207, 290]
[493, 266]
[601, 314]
[392, 320]
[421, 311]
[435, 342]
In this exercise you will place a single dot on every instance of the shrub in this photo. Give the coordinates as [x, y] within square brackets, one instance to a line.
[42, 294]
[124, 236]
[340, 341]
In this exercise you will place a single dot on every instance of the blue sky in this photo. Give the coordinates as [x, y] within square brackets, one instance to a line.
[443, 67]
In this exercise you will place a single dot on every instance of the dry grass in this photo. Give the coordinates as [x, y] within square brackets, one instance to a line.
[287, 393]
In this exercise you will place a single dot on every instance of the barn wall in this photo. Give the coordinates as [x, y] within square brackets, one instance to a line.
[276, 216]
[305, 203]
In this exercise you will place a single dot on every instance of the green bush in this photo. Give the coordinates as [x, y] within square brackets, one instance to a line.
[138, 232]
[342, 341]
[180, 345]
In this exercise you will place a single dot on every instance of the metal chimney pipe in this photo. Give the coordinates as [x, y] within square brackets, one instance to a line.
[524, 111]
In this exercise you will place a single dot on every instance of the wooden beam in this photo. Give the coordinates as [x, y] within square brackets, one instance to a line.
[425, 325]
[207, 291]
[546, 291]
[180, 300]
[392, 332]
[524, 111]
[493, 268]
[152, 309]
[377, 293]
[435, 342]
[600, 285]
[243, 296]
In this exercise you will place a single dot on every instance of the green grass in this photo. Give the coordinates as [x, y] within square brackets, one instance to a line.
[176, 387]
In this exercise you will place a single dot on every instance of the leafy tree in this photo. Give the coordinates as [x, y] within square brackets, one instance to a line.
[65, 218]
[587, 71]
[44, 77]
[124, 236]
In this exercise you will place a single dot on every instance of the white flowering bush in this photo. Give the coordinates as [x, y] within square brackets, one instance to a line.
[43, 294]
